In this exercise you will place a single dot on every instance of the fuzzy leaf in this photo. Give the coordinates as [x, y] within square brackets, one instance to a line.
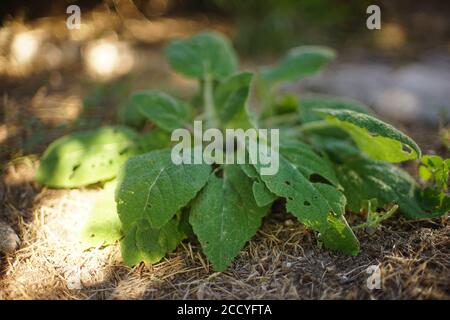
[298, 63]
[262, 195]
[310, 104]
[339, 236]
[317, 205]
[84, 158]
[365, 180]
[225, 216]
[131, 254]
[152, 187]
[154, 140]
[145, 243]
[230, 99]
[308, 162]
[164, 110]
[103, 225]
[206, 53]
[379, 140]
[129, 114]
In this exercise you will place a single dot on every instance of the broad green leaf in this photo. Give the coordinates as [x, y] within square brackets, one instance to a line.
[164, 110]
[339, 150]
[379, 140]
[308, 162]
[103, 225]
[204, 54]
[84, 158]
[364, 180]
[298, 63]
[156, 243]
[317, 205]
[339, 236]
[131, 254]
[152, 187]
[142, 242]
[310, 104]
[230, 99]
[225, 216]
[154, 140]
[129, 114]
[262, 195]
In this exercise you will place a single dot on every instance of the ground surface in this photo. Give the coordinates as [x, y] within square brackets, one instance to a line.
[282, 261]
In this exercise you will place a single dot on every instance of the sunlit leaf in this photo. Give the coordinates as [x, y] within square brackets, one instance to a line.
[83, 158]
[379, 140]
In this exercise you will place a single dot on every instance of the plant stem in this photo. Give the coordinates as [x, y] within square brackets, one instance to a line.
[208, 101]
[375, 219]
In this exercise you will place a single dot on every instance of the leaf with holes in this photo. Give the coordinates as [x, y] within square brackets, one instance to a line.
[153, 188]
[320, 162]
[225, 216]
[379, 140]
[204, 54]
[84, 158]
[308, 162]
[317, 205]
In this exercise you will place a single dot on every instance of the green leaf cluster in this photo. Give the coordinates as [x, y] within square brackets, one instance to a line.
[336, 158]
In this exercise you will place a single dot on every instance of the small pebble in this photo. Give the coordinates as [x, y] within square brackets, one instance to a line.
[9, 241]
[344, 279]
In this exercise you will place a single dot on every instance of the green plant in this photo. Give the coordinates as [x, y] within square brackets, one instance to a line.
[334, 155]
[373, 217]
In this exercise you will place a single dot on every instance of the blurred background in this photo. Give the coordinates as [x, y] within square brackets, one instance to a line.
[54, 80]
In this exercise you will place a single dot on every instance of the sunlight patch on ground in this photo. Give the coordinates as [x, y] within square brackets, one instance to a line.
[52, 262]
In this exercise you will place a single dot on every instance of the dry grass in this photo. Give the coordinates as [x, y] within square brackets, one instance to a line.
[282, 261]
